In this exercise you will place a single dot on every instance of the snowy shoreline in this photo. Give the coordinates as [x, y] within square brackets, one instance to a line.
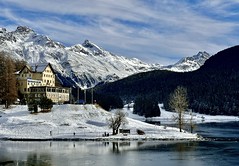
[84, 123]
[101, 139]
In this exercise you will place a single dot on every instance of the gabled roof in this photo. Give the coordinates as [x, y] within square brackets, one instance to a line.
[37, 67]
[28, 68]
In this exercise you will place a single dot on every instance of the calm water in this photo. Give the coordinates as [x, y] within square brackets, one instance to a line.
[222, 152]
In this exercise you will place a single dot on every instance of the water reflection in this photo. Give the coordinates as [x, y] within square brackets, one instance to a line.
[33, 159]
[111, 153]
[39, 159]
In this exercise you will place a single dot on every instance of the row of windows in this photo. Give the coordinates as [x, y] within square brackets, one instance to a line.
[48, 75]
[57, 96]
[62, 97]
[49, 81]
[38, 90]
[30, 75]
[49, 90]
[26, 89]
[34, 84]
[26, 75]
[48, 71]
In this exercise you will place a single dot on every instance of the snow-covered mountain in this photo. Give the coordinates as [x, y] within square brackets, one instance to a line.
[83, 64]
[189, 63]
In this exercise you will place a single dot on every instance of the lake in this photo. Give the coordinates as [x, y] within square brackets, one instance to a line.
[222, 150]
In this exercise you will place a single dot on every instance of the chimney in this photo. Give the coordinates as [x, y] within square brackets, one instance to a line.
[36, 67]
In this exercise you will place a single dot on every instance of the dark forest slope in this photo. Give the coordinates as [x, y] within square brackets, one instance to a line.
[213, 89]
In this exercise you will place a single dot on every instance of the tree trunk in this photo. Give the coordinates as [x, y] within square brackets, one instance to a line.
[180, 120]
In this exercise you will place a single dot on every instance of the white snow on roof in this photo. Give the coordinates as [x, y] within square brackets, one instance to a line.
[38, 67]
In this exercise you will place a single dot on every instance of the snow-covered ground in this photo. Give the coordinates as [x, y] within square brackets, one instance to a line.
[167, 117]
[90, 122]
[86, 121]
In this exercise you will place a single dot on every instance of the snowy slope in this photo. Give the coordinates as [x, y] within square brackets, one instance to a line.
[189, 63]
[86, 121]
[83, 64]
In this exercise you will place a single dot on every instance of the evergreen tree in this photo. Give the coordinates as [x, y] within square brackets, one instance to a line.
[146, 106]
[45, 104]
[19, 64]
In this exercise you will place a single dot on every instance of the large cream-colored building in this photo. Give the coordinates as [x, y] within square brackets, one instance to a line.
[38, 80]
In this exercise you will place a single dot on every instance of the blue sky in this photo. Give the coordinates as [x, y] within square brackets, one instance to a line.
[155, 31]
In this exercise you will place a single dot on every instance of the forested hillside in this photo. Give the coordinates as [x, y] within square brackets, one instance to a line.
[213, 89]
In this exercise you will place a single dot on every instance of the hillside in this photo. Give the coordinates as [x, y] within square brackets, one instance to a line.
[224, 60]
[213, 89]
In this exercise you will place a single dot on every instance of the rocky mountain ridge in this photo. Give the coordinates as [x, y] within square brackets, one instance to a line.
[83, 65]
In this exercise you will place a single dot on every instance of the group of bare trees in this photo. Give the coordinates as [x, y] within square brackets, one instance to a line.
[8, 84]
[178, 103]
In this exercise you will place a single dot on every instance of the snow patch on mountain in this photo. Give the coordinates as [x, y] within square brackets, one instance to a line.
[189, 63]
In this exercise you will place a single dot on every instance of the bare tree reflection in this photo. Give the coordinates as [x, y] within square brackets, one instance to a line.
[115, 147]
[38, 160]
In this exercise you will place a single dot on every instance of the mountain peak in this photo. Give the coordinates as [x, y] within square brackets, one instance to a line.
[94, 48]
[87, 43]
[3, 30]
[23, 29]
[189, 63]
[198, 58]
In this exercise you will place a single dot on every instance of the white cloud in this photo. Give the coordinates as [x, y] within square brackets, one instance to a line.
[160, 31]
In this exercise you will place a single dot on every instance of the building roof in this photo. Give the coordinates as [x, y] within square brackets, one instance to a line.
[38, 67]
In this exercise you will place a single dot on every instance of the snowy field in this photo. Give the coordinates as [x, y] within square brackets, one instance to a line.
[167, 117]
[88, 122]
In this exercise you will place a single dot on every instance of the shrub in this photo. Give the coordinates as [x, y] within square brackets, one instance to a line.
[45, 104]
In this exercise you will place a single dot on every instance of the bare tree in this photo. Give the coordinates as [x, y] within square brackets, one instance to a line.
[116, 121]
[179, 103]
[8, 89]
